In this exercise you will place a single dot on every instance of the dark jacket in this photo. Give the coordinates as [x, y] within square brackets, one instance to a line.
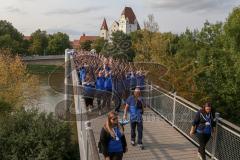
[199, 121]
[105, 137]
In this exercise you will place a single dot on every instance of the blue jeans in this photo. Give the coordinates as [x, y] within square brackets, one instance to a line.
[139, 126]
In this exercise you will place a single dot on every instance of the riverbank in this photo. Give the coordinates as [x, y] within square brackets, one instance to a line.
[44, 69]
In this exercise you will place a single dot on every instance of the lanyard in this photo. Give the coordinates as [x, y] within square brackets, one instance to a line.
[207, 118]
[115, 133]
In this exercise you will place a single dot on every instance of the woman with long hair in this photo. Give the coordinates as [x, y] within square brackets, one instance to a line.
[112, 142]
[202, 125]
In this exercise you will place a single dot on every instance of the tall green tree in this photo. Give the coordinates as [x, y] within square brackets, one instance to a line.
[120, 46]
[39, 42]
[57, 43]
[232, 30]
[11, 38]
[86, 45]
[98, 44]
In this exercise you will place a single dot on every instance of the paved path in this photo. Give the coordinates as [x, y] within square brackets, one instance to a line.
[161, 141]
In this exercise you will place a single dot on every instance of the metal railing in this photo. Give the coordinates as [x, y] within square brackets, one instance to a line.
[225, 142]
[223, 145]
[87, 145]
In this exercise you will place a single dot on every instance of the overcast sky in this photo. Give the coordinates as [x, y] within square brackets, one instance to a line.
[75, 17]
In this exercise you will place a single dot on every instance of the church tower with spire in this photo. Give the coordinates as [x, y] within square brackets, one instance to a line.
[104, 30]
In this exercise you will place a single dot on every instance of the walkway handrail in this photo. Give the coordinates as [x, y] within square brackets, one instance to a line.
[87, 144]
[179, 112]
[92, 150]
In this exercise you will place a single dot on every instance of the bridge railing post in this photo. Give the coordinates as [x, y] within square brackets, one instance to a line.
[214, 143]
[66, 78]
[174, 108]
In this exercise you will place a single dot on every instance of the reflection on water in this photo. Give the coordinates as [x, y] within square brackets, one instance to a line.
[50, 95]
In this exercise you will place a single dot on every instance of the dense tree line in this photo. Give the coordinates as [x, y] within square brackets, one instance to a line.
[39, 43]
[203, 65]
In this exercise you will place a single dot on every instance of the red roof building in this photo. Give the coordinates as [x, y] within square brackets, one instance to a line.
[84, 38]
[27, 38]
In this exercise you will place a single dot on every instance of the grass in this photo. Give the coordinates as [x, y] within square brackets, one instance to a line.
[44, 69]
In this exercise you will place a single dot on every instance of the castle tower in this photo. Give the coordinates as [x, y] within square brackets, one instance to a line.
[128, 22]
[104, 30]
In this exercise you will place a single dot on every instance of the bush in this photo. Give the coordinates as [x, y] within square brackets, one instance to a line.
[28, 135]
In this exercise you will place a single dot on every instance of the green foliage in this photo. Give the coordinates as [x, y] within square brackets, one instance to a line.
[44, 69]
[120, 47]
[5, 107]
[57, 43]
[98, 44]
[31, 135]
[11, 39]
[39, 42]
[232, 29]
[86, 45]
[206, 60]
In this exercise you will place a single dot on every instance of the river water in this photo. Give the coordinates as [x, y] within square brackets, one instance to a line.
[51, 92]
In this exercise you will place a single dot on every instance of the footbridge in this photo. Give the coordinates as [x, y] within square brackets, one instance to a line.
[167, 123]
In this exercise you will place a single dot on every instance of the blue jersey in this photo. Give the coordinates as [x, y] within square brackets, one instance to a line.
[115, 144]
[100, 83]
[135, 108]
[108, 84]
[140, 81]
[83, 73]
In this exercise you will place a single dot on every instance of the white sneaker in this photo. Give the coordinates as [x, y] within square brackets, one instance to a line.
[132, 143]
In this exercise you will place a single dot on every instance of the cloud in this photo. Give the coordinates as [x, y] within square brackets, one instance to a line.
[73, 11]
[191, 5]
[70, 32]
[11, 9]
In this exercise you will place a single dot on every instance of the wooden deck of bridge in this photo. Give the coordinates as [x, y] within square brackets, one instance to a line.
[161, 141]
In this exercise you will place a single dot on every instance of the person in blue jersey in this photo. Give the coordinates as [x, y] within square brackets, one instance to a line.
[82, 73]
[88, 91]
[106, 66]
[112, 142]
[140, 80]
[100, 90]
[135, 107]
[203, 125]
[133, 80]
[108, 90]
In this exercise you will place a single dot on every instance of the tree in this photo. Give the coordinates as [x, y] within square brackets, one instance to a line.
[39, 42]
[16, 85]
[11, 38]
[86, 45]
[149, 46]
[27, 135]
[150, 24]
[98, 44]
[57, 43]
[232, 29]
[120, 46]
